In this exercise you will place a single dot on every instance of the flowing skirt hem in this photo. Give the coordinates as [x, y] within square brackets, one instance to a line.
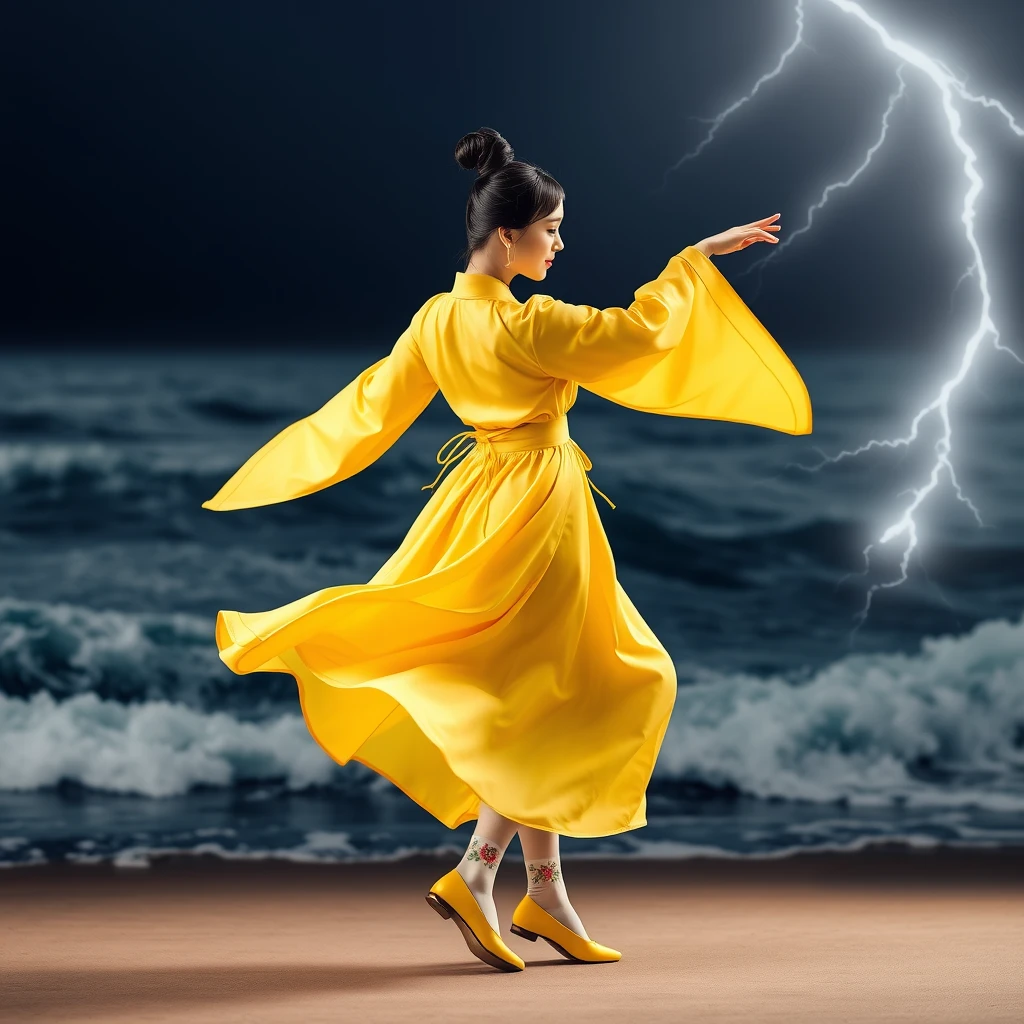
[470, 810]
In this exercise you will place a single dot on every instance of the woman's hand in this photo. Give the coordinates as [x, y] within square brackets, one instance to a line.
[740, 237]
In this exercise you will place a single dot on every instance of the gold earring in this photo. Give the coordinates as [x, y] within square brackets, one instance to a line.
[509, 254]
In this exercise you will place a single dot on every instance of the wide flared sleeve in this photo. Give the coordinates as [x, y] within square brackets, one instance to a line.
[687, 346]
[341, 438]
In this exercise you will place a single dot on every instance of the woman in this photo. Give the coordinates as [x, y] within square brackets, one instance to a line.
[494, 669]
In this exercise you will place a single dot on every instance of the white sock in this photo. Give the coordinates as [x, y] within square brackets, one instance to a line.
[547, 888]
[545, 884]
[478, 867]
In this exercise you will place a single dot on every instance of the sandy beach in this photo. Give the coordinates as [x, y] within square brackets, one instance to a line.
[883, 935]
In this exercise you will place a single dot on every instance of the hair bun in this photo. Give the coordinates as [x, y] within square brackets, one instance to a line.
[483, 151]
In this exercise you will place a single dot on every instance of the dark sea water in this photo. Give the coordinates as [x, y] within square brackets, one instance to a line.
[797, 726]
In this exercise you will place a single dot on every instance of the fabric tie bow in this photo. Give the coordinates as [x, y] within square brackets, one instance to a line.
[483, 437]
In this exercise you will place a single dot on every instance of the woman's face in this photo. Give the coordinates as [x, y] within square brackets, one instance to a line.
[538, 244]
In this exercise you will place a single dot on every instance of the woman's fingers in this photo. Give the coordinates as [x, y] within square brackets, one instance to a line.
[746, 234]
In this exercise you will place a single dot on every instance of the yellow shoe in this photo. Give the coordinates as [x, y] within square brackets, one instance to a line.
[451, 897]
[530, 919]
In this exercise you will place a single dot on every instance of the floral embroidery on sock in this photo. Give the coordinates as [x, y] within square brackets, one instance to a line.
[481, 850]
[544, 872]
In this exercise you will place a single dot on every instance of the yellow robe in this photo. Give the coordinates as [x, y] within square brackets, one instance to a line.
[494, 656]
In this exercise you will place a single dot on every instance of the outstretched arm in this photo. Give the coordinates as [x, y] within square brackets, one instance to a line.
[687, 346]
[341, 438]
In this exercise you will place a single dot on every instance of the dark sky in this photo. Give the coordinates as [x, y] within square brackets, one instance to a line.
[238, 173]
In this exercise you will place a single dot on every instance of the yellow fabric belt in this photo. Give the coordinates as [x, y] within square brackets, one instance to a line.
[523, 437]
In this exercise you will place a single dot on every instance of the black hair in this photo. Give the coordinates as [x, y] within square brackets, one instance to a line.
[506, 194]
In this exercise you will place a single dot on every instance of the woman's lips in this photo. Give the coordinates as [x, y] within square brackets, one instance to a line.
[549, 262]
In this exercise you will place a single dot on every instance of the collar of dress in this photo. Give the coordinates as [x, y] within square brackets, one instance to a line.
[481, 286]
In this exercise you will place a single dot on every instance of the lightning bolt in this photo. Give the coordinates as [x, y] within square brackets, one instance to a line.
[845, 183]
[949, 88]
[719, 120]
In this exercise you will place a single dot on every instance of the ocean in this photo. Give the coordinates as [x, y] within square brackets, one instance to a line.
[798, 725]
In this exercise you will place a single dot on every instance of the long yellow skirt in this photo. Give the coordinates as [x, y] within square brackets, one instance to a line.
[494, 657]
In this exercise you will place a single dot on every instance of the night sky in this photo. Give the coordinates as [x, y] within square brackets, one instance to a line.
[236, 174]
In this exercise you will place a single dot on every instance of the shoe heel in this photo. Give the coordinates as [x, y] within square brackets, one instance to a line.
[439, 905]
[532, 936]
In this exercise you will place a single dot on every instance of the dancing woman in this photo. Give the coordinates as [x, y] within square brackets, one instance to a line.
[494, 669]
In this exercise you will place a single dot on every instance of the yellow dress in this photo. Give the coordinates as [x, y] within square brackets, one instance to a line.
[494, 656]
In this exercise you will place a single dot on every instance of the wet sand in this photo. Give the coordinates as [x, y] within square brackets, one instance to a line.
[884, 935]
